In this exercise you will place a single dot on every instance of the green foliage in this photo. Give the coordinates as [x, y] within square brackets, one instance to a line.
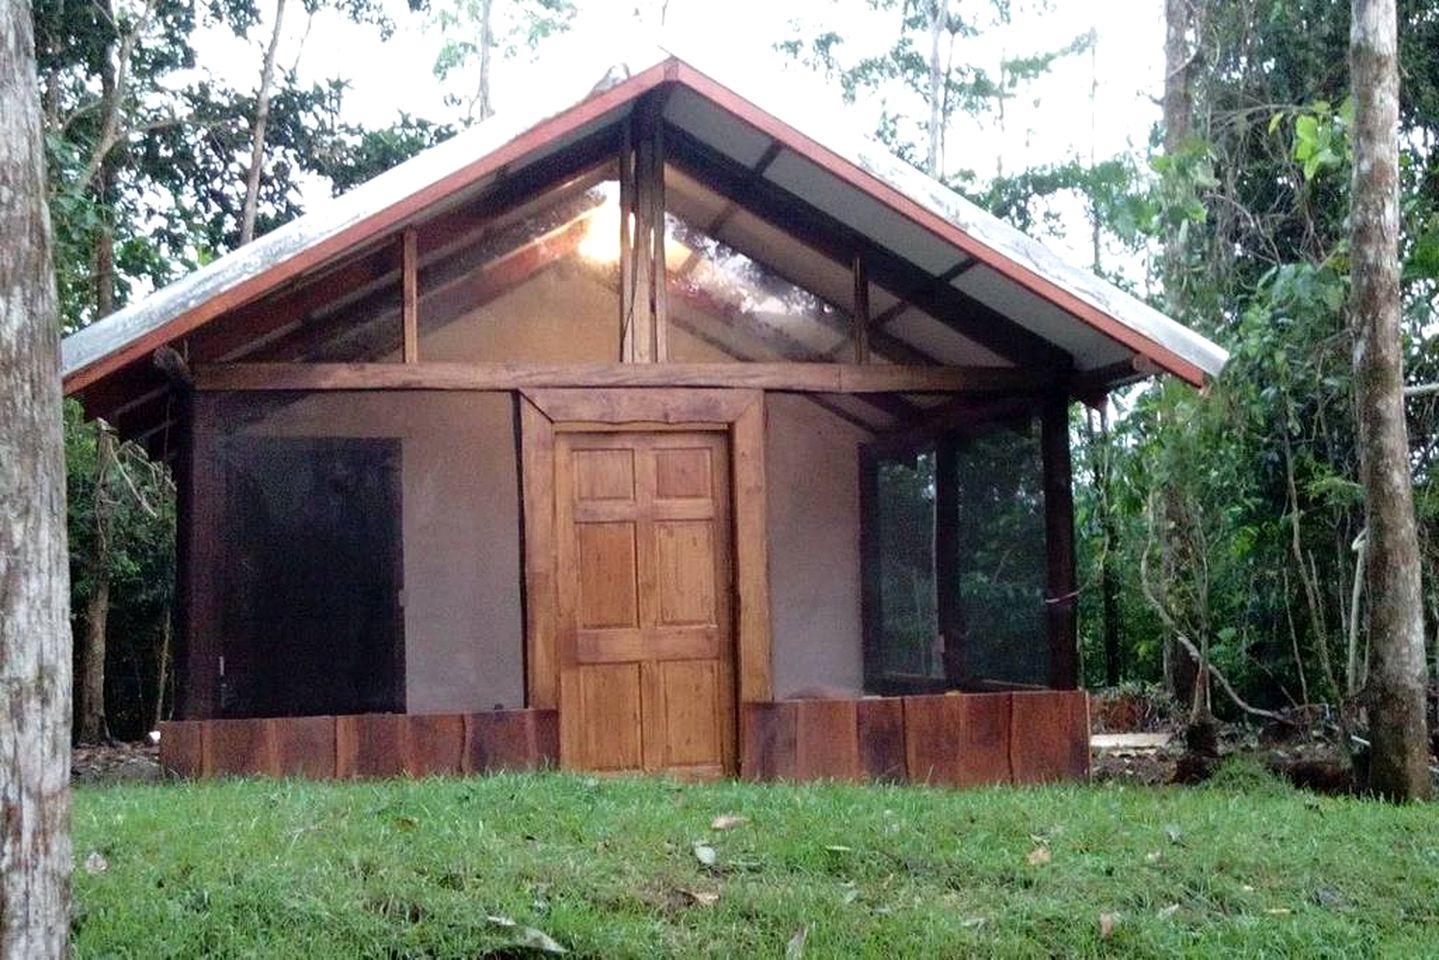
[607, 868]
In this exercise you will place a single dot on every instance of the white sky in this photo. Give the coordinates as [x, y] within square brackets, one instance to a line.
[1053, 120]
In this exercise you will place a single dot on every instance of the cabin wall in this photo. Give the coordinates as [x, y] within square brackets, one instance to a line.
[812, 464]
[463, 619]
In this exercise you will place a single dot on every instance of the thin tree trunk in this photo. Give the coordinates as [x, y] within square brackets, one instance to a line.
[487, 43]
[162, 667]
[1108, 581]
[938, 20]
[1398, 766]
[90, 712]
[1181, 671]
[34, 567]
[257, 135]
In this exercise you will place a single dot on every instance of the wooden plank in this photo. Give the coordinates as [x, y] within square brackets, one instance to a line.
[641, 406]
[241, 748]
[182, 748]
[768, 730]
[511, 740]
[827, 740]
[1049, 735]
[435, 744]
[1061, 588]
[879, 728]
[371, 745]
[859, 310]
[304, 746]
[410, 295]
[794, 377]
[957, 739]
[751, 553]
[537, 479]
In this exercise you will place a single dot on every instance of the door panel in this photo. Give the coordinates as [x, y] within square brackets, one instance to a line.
[645, 638]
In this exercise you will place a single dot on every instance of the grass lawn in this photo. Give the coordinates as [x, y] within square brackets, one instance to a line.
[610, 868]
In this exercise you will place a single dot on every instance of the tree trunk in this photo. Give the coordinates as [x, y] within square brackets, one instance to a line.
[938, 21]
[1182, 673]
[257, 135]
[487, 43]
[34, 567]
[1398, 766]
[90, 692]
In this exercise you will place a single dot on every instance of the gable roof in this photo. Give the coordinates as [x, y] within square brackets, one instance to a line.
[904, 214]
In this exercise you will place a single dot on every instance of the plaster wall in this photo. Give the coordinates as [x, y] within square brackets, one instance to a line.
[812, 466]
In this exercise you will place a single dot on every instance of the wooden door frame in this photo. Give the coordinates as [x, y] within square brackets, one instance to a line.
[738, 413]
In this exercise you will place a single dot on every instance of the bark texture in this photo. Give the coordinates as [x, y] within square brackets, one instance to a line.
[1398, 766]
[34, 574]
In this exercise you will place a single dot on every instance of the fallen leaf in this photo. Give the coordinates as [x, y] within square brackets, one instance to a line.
[795, 948]
[1173, 833]
[1330, 898]
[1169, 911]
[839, 848]
[1278, 911]
[851, 892]
[1153, 856]
[728, 821]
[95, 863]
[1039, 856]
[1106, 925]
[406, 823]
[705, 853]
[528, 937]
[971, 922]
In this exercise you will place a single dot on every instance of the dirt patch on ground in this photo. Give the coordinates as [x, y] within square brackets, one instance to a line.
[115, 762]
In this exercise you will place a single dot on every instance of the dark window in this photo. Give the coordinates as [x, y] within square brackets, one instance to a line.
[309, 576]
[954, 561]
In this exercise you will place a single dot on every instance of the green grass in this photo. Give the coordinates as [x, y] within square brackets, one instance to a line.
[413, 868]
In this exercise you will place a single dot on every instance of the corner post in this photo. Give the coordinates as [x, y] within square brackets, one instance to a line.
[1061, 599]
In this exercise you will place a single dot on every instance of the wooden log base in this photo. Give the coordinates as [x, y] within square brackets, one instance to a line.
[361, 746]
[953, 739]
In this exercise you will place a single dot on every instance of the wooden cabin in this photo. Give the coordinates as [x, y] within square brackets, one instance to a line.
[645, 433]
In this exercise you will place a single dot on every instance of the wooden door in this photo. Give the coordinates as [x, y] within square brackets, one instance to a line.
[644, 598]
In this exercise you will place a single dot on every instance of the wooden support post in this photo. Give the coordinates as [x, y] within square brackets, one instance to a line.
[859, 316]
[642, 206]
[1062, 594]
[410, 282]
[948, 556]
[627, 243]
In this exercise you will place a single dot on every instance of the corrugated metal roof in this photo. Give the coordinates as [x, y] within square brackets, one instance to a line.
[841, 174]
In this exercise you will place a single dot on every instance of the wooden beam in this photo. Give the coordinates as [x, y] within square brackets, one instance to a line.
[859, 310]
[410, 298]
[1062, 593]
[792, 377]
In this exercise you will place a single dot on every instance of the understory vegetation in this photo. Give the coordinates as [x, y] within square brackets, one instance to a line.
[641, 867]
